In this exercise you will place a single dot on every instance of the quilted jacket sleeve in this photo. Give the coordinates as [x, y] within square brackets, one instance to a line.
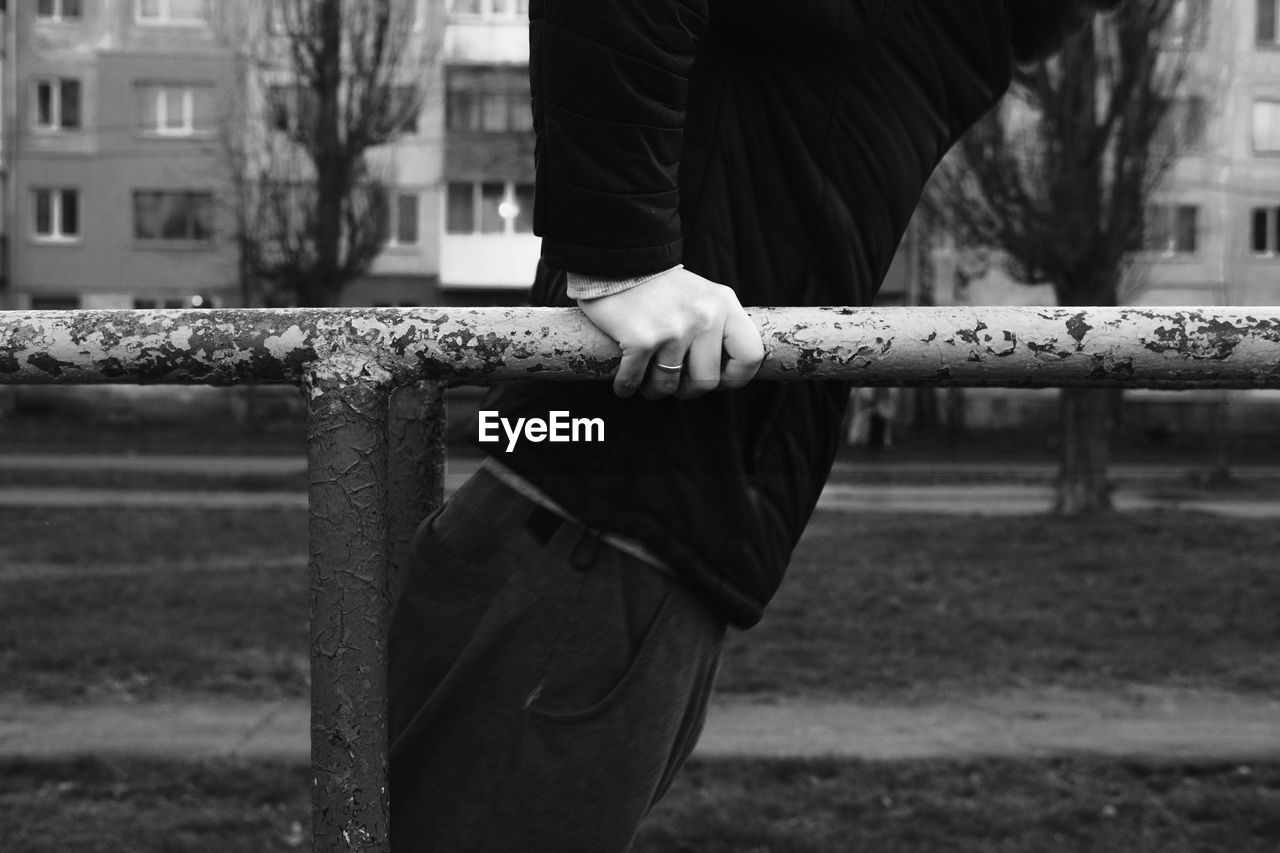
[610, 80]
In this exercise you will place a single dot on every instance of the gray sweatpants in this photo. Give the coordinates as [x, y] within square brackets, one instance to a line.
[545, 687]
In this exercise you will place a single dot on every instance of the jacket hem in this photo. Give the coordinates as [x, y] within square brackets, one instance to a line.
[598, 262]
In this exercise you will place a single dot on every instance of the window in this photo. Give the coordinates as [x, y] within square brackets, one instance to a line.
[488, 99]
[148, 303]
[290, 107]
[490, 207]
[403, 109]
[57, 214]
[1266, 127]
[59, 10]
[173, 216]
[492, 195]
[277, 19]
[1266, 231]
[57, 104]
[55, 303]
[1186, 123]
[290, 204]
[402, 220]
[460, 213]
[180, 12]
[522, 195]
[1189, 22]
[1171, 229]
[282, 107]
[406, 103]
[1267, 33]
[516, 9]
[175, 109]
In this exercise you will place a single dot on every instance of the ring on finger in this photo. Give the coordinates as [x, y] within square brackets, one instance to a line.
[668, 368]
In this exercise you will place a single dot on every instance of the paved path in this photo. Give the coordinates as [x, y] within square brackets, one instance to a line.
[74, 497]
[155, 463]
[1154, 724]
[972, 499]
[1021, 499]
[1023, 488]
[877, 469]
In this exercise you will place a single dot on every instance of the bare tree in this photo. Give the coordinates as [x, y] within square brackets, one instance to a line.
[323, 84]
[1058, 181]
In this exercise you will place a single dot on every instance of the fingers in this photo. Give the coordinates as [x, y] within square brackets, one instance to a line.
[728, 356]
[743, 348]
[631, 371]
[695, 328]
[665, 370]
[702, 366]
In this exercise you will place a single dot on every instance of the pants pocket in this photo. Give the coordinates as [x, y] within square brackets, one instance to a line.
[605, 644]
[462, 546]
[605, 737]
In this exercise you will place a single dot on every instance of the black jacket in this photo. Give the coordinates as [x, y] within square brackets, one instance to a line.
[777, 147]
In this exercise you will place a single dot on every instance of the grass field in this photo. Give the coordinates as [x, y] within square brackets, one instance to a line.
[144, 618]
[134, 605]
[877, 607]
[93, 806]
[907, 606]
[966, 807]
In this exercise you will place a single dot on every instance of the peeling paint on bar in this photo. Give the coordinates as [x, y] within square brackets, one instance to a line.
[1034, 347]
[1027, 347]
[350, 610]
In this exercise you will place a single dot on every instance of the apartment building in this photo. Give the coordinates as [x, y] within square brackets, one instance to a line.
[117, 190]
[407, 272]
[462, 218]
[5, 43]
[118, 184]
[116, 127]
[1213, 228]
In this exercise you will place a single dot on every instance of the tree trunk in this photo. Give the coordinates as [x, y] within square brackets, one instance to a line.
[1218, 472]
[1086, 418]
[953, 412]
[330, 158]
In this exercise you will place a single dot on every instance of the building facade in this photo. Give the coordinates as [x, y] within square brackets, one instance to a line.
[1213, 227]
[1212, 232]
[6, 45]
[117, 191]
[462, 199]
[117, 186]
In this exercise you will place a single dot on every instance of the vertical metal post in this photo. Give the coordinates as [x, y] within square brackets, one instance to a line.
[347, 457]
[416, 466]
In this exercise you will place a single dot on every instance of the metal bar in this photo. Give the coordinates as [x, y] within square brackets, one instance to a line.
[347, 457]
[954, 346]
[416, 467]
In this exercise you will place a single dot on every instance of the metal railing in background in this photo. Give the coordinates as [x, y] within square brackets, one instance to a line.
[374, 380]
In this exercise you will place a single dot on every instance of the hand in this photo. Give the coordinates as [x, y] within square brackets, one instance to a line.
[678, 318]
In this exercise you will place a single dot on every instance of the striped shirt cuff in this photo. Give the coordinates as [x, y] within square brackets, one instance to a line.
[589, 287]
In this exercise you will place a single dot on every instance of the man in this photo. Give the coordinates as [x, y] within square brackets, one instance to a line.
[555, 648]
